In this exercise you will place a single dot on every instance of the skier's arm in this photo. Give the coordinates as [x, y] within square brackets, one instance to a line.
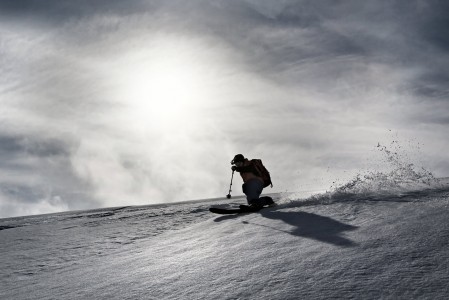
[245, 169]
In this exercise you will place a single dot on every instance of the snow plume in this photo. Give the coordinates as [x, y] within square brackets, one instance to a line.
[392, 174]
[398, 174]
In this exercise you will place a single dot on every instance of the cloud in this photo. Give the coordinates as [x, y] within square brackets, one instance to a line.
[11, 206]
[37, 173]
[110, 151]
[55, 12]
[88, 117]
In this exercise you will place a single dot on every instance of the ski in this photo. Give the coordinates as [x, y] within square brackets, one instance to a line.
[228, 211]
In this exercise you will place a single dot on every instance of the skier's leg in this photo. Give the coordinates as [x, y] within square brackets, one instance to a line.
[252, 189]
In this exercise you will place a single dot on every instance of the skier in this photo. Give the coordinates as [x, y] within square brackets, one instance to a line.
[255, 178]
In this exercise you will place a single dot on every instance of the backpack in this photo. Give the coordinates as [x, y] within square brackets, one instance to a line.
[263, 172]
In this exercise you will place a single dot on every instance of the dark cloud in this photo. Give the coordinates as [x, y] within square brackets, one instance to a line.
[16, 151]
[432, 84]
[16, 144]
[284, 46]
[54, 11]
[431, 22]
[10, 145]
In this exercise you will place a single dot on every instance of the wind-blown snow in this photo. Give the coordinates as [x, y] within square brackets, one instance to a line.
[334, 245]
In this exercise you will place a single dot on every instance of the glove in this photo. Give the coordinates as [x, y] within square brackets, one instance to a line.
[233, 168]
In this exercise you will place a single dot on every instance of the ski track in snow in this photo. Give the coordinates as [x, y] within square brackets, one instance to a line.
[352, 246]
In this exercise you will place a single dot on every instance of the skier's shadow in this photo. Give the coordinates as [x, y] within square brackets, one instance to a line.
[313, 226]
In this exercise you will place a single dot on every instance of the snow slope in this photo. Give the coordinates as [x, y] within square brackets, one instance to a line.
[335, 245]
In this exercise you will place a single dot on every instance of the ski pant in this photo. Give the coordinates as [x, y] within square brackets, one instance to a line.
[252, 189]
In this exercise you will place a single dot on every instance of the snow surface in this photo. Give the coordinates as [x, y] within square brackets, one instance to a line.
[346, 244]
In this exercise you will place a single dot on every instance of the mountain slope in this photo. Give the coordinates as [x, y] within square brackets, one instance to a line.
[353, 246]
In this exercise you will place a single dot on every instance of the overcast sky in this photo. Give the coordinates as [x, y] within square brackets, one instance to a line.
[110, 103]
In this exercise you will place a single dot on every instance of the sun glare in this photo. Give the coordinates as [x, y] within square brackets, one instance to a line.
[161, 88]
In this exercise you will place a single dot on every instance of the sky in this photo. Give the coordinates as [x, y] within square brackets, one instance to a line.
[107, 103]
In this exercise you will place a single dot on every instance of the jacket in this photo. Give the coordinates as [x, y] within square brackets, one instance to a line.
[248, 171]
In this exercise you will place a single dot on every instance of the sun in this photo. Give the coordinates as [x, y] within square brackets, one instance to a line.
[161, 88]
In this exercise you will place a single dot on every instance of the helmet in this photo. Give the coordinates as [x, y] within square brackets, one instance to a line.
[238, 158]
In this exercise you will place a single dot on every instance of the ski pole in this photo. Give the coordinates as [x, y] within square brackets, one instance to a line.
[230, 186]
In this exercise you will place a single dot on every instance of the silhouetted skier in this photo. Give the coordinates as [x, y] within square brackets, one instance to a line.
[255, 177]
